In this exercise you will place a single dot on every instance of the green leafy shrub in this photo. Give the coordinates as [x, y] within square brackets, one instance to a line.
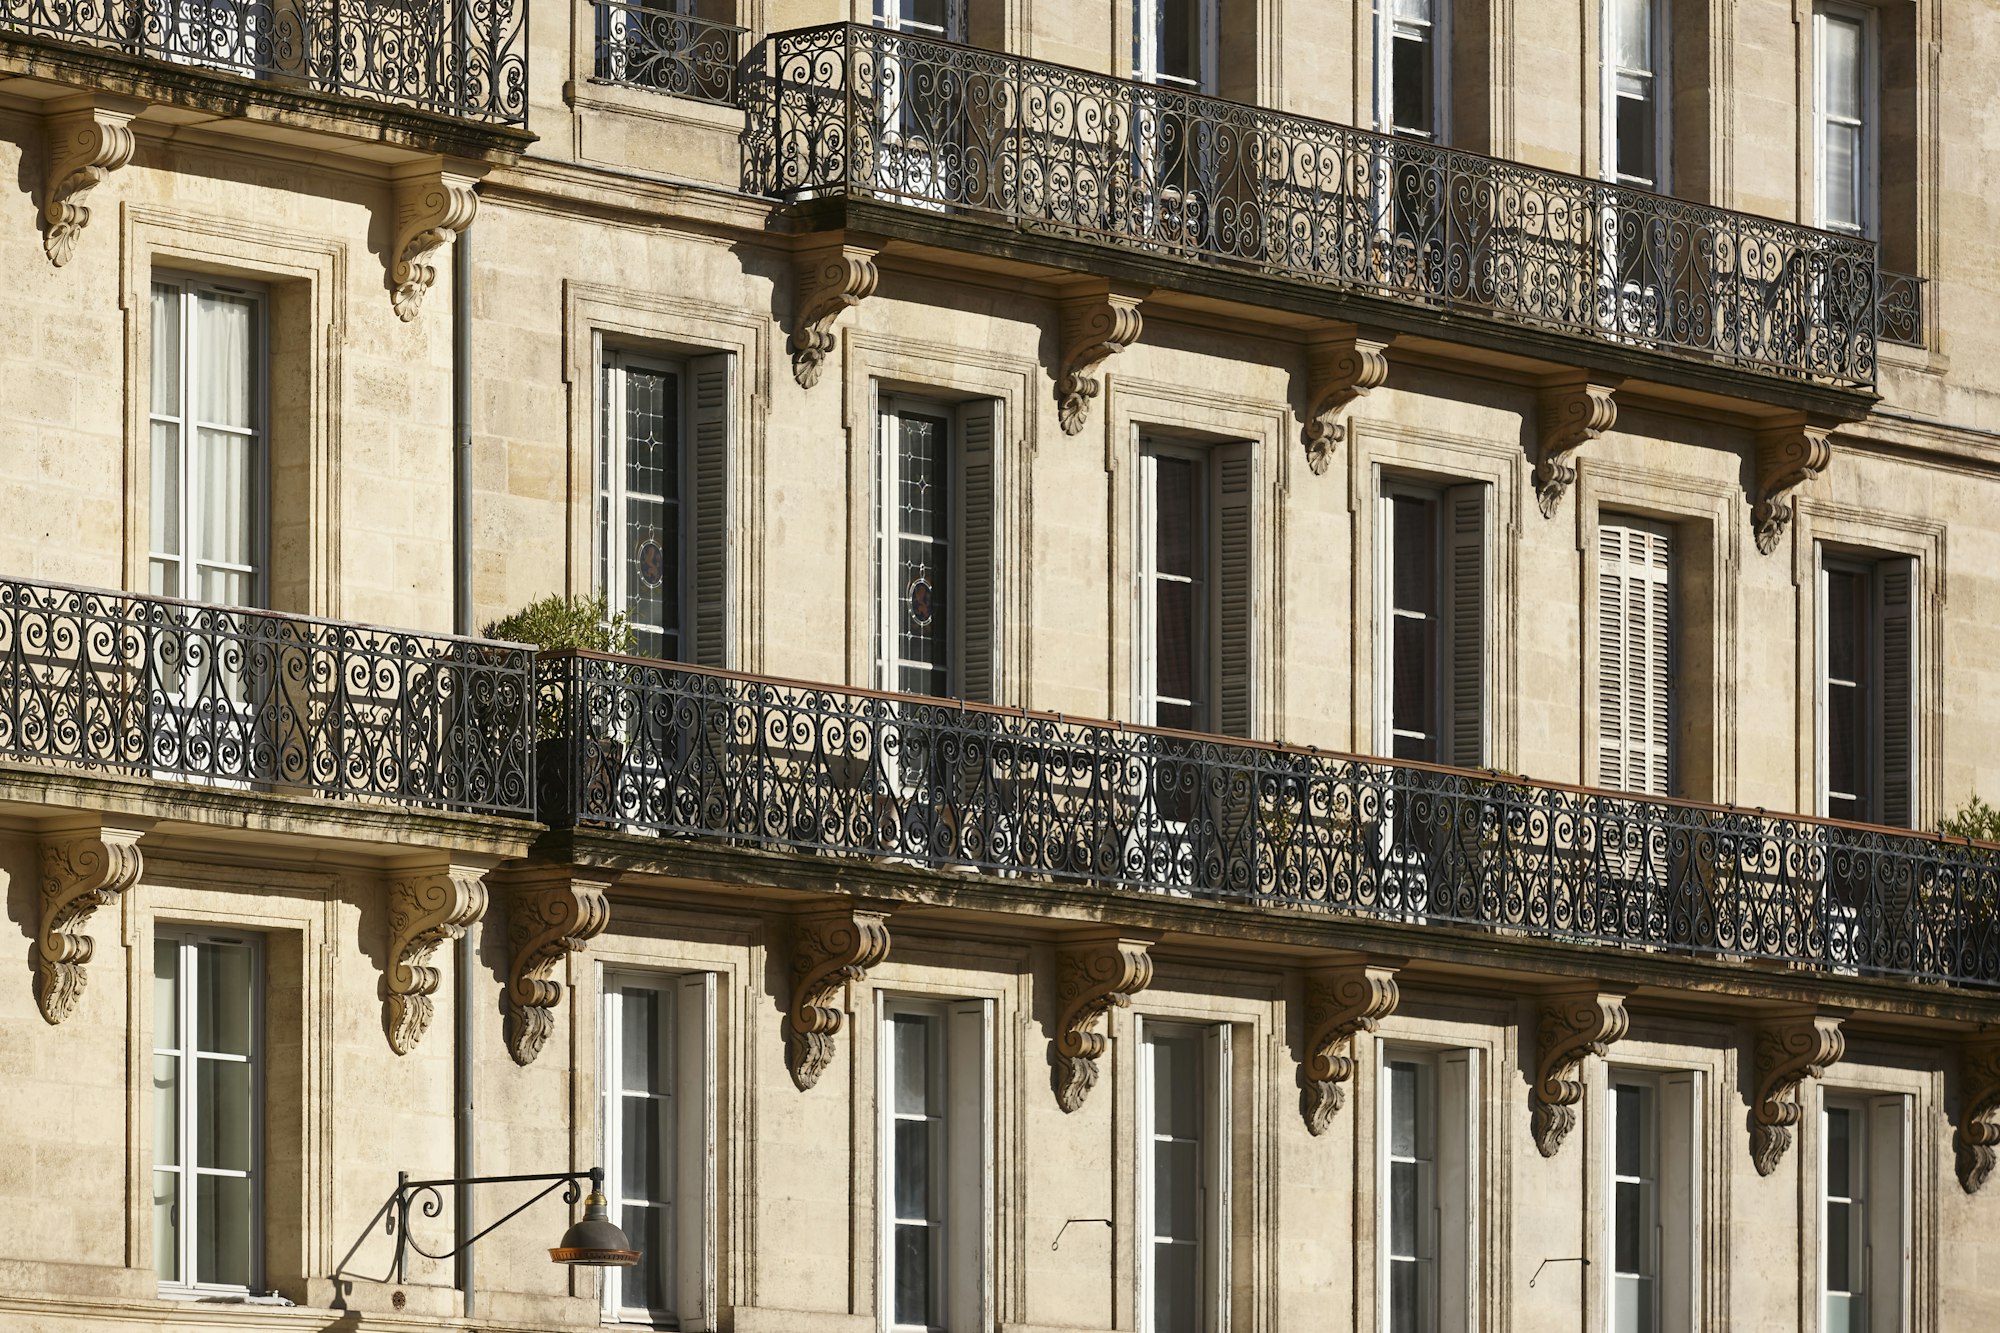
[556, 622]
[1975, 819]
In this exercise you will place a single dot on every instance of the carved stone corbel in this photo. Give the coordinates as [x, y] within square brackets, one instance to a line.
[830, 280]
[86, 143]
[1344, 364]
[433, 204]
[1978, 1133]
[1569, 415]
[1092, 978]
[1789, 1051]
[829, 950]
[1341, 1002]
[81, 872]
[1571, 1027]
[426, 908]
[552, 912]
[1788, 457]
[1092, 326]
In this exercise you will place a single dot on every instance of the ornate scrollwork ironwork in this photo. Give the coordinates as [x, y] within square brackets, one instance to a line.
[665, 52]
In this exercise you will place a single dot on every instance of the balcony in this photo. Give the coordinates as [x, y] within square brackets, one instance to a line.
[1902, 309]
[648, 749]
[660, 51]
[879, 130]
[242, 700]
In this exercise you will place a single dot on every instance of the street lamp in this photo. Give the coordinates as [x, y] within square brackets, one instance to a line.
[594, 1242]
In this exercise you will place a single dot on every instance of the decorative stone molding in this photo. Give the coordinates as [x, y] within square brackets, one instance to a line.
[86, 143]
[1789, 1051]
[1344, 364]
[552, 912]
[1092, 978]
[426, 908]
[830, 280]
[1978, 1133]
[81, 872]
[1092, 326]
[1571, 1027]
[1787, 457]
[1569, 415]
[1341, 1002]
[434, 203]
[829, 950]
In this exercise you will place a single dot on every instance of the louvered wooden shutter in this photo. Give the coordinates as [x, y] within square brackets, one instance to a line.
[976, 551]
[1235, 481]
[1894, 597]
[712, 409]
[1634, 641]
[1464, 648]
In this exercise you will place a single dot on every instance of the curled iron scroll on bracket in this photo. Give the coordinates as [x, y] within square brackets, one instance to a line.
[1056, 1244]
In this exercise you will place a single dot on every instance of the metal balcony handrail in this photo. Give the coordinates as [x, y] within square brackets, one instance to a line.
[664, 52]
[461, 58]
[659, 749]
[866, 113]
[1901, 309]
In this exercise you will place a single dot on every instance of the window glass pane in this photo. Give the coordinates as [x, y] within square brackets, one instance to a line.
[1629, 1101]
[1174, 646]
[912, 1055]
[222, 1114]
[1176, 1189]
[1410, 75]
[1843, 172]
[166, 485]
[223, 472]
[913, 1275]
[223, 997]
[1415, 553]
[639, 1040]
[645, 1287]
[166, 994]
[1416, 11]
[1177, 1086]
[166, 1110]
[919, 476]
[1403, 1109]
[1634, 40]
[1178, 521]
[1404, 1197]
[930, 14]
[166, 376]
[167, 1225]
[913, 1170]
[1176, 1290]
[1839, 1152]
[223, 587]
[1843, 625]
[1628, 1230]
[224, 383]
[222, 1240]
[1404, 1315]
[1636, 139]
[1840, 68]
[1411, 701]
[1839, 1239]
[640, 1172]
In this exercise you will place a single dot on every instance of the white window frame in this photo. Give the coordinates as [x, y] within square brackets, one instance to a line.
[1672, 1148]
[1867, 170]
[1217, 1208]
[889, 662]
[1203, 643]
[1451, 1078]
[1147, 42]
[610, 491]
[1388, 29]
[1661, 78]
[889, 14]
[1881, 1239]
[188, 943]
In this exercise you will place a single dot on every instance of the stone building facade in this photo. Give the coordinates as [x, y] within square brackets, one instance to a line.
[1522, 477]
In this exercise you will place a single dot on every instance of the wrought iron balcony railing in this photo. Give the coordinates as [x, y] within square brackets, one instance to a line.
[155, 687]
[676, 54]
[869, 114]
[1902, 309]
[462, 58]
[651, 748]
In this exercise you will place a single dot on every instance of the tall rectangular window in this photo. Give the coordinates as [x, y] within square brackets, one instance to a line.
[1184, 1142]
[656, 1079]
[1864, 1218]
[209, 442]
[1426, 1224]
[936, 1164]
[1410, 68]
[1194, 586]
[207, 1095]
[942, 19]
[1431, 667]
[1843, 118]
[1867, 714]
[1173, 43]
[1636, 91]
[1635, 714]
[1652, 1212]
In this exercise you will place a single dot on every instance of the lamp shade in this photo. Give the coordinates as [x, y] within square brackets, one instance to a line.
[596, 1241]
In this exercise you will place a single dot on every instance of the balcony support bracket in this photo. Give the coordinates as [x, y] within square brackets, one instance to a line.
[1788, 456]
[426, 908]
[1093, 325]
[830, 281]
[552, 912]
[1092, 978]
[1789, 1051]
[88, 139]
[1978, 1133]
[1572, 1026]
[434, 202]
[1344, 363]
[1341, 1004]
[82, 870]
[1570, 414]
[830, 950]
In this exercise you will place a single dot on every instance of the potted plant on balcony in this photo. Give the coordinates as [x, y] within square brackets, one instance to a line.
[1962, 943]
[558, 623]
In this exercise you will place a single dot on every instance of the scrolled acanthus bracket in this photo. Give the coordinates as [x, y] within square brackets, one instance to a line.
[1978, 1133]
[434, 203]
[1343, 365]
[426, 908]
[87, 141]
[1092, 978]
[1341, 1003]
[1569, 415]
[81, 872]
[1092, 327]
[1571, 1027]
[552, 912]
[1788, 1052]
[1787, 457]
[829, 950]
[829, 281]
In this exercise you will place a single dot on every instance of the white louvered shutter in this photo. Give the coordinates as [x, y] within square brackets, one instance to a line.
[1235, 482]
[1895, 595]
[1464, 647]
[976, 547]
[1634, 649]
[712, 384]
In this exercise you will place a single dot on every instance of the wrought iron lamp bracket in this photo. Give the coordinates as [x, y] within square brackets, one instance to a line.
[427, 1197]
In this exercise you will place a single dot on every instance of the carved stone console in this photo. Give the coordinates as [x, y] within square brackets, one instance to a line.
[1571, 1027]
[1570, 414]
[552, 912]
[1092, 978]
[829, 950]
[1978, 1133]
[1787, 457]
[82, 870]
[1343, 363]
[1094, 324]
[1341, 1002]
[87, 139]
[434, 202]
[829, 281]
[426, 908]
[1789, 1051]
